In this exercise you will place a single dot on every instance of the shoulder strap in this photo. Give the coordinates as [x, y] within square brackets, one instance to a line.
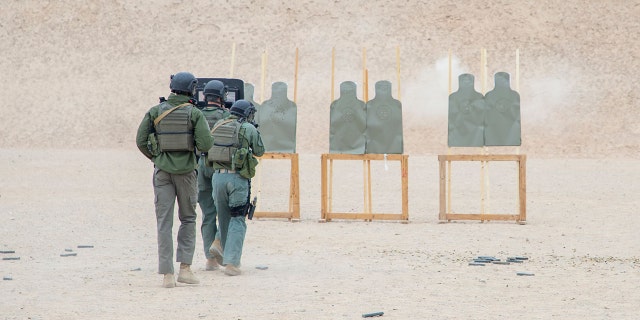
[164, 114]
[220, 124]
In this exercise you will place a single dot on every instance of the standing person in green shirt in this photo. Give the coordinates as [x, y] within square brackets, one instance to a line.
[169, 135]
[236, 143]
[215, 96]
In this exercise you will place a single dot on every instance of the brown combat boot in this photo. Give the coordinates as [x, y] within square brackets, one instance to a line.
[232, 270]
[186, 276]
[216, 250]
[169, 281]
[212, 264]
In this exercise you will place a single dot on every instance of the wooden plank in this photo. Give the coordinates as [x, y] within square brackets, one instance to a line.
[404, 169]
[368, 208]
[369, 156]
[443, 189]
[277, 155]
[484, 217]
[294, 189]
[522, 182]
[272, 214]
[365, 216]
[323, 186]
[481, 157]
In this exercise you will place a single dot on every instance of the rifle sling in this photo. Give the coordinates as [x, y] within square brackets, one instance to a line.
[166, 113]
[219, 124]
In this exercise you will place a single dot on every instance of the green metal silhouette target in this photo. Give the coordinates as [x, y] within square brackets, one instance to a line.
[384, 122]
[348, 122]
[491, 120]
[466, 114]
[502, 118]
[248, 94]
[277, 121]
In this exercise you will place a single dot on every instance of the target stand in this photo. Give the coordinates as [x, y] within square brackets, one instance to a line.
[367, 215]
[446, 215]
[293, 214]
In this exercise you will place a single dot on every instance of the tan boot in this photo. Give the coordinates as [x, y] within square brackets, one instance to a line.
[212, 264]
[169, 281]
[186, 276]
[216, 250]
[232, 270]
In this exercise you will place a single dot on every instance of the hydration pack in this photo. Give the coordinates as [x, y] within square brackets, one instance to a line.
[174, 131]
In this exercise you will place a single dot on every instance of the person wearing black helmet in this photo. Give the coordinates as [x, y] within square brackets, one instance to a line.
[214, 109]
[168, 135]
[236, 144]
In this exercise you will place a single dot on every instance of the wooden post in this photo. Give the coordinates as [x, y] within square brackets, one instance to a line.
[445, 196]
[331, 185]
[365, 76]
[264, 75]
[483, 164]
[233, 59]
[333, 72]
[517, 70]
[404, 169]
[295, 79]
[294, 187]
[522, 187]
[448, 203]
[366, 85]
[369, 210]
[450, 80]
[323, 186]
[262, 80]
[365, 188]
[398, 71]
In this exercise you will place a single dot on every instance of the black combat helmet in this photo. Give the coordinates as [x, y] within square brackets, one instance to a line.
[243, 109]
[215, 89]
[183, 83]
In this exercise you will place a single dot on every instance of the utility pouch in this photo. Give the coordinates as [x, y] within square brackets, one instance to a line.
[249, 169]
[239, 158]
[152, 144]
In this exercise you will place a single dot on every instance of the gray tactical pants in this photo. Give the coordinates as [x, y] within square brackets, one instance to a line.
[230, 190]
[167, 188]
[209, 227]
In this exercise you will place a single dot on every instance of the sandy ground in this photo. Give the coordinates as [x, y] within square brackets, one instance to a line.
[580, 238]
[77, 79]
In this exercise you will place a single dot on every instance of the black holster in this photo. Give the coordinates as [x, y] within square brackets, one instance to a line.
[238, 211]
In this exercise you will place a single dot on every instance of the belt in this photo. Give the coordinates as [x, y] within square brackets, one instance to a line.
[224, 171]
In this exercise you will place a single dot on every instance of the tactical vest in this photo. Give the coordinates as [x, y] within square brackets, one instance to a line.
[226, 141]
[175, 130]
[213, 117]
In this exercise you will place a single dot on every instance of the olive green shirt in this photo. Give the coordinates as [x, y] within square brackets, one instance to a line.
[177, 162]
[249, 137]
